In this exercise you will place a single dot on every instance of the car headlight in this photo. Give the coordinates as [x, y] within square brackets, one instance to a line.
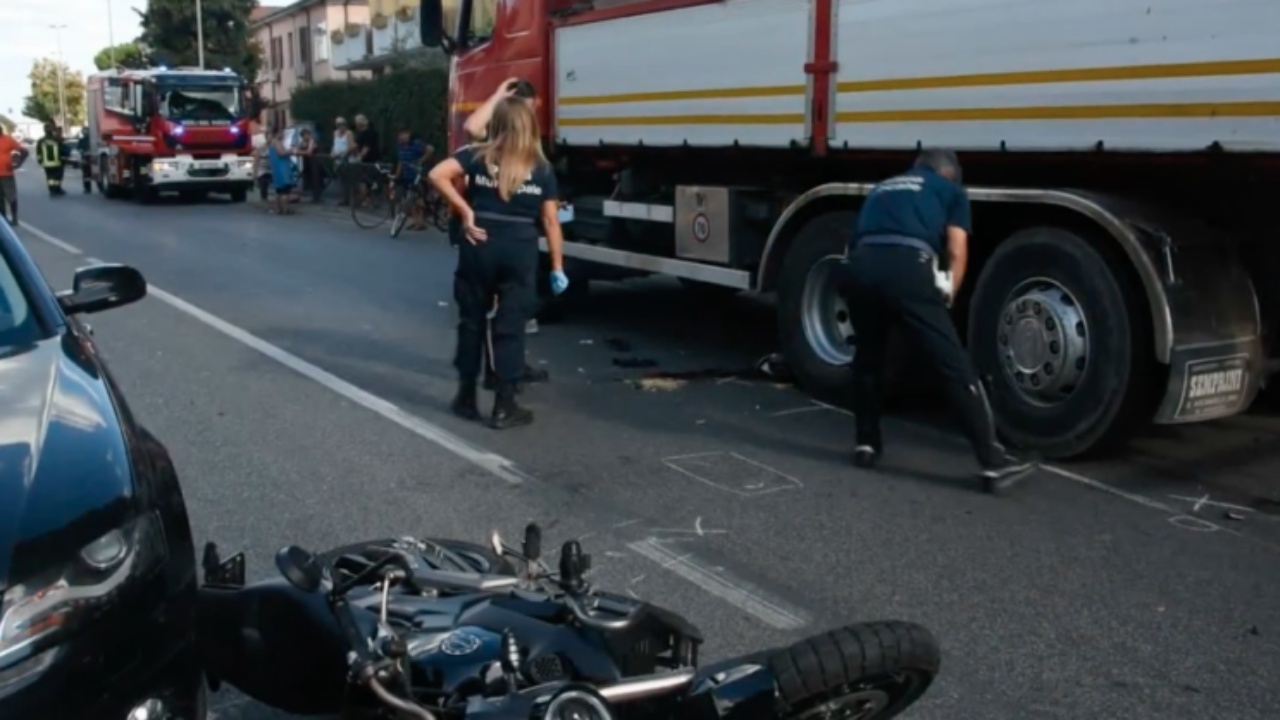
[244, 163]
[36, 613]
[163, 165]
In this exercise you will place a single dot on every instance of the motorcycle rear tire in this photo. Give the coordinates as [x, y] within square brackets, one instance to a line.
[482, 558]
[881, 667]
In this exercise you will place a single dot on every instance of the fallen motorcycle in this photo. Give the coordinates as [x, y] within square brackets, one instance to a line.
[448, 630]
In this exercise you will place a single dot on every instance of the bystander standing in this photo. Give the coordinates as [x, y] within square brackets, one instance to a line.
[340, 153]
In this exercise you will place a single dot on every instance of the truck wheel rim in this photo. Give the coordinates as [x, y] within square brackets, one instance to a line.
[824, 314]
[1043, 341]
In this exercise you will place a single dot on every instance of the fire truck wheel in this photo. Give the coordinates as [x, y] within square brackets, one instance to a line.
[1063, 342]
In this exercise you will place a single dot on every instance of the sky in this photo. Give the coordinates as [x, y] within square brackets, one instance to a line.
[28, 36]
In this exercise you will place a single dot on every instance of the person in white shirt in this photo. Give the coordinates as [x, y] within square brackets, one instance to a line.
[340, 153]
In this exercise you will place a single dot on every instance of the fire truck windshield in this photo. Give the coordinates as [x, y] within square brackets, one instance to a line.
[216, 104]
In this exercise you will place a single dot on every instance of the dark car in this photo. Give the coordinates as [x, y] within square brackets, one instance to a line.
[97, 564]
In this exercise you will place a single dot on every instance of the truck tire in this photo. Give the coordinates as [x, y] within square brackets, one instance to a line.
[1063, 343]
[824, 367]
[870, 671]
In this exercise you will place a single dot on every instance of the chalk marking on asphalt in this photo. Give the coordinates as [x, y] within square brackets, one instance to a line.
[1104, 487]
[63, 245]
[1202, 501]
[716, 581]
[796, 411]
[753, 490]
[489, 461]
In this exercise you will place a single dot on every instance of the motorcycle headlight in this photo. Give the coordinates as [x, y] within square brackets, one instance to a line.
[574, 703]
[36, 613]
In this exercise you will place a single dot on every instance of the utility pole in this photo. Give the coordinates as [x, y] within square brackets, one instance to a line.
[111, 37]
[200, 33]
[62, 83]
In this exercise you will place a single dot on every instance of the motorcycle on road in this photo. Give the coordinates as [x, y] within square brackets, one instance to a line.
[449, 630]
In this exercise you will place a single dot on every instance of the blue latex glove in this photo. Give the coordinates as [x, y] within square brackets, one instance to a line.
[559, 282]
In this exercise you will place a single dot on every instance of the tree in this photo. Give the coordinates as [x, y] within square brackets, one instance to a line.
[42, 103]
[126, 55]
[169, 34]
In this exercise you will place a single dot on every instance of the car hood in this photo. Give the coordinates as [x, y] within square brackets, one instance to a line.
[65, 476]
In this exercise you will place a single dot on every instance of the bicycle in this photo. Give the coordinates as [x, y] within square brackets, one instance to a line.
[373, 202]
[433, 205]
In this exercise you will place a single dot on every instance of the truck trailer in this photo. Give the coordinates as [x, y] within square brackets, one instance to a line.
[182, 130]
[1122, 157]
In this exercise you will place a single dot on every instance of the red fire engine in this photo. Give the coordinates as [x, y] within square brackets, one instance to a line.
[180, 130]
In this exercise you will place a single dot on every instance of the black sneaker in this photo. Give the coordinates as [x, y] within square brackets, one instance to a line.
[1003, 477]
[865, 456]
[506, 413]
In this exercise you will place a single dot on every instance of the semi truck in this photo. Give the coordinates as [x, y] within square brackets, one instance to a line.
[1122, 158]
[182, 130]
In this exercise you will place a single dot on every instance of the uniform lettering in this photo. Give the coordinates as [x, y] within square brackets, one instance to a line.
[1222, 382]
[911, 183]
[528, 188]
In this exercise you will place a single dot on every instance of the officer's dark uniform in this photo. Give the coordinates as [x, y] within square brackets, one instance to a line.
[49, 153]
[86, 167]
[899, 239]
[505, 266]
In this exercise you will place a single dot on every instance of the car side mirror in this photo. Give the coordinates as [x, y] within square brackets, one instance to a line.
[102, 287]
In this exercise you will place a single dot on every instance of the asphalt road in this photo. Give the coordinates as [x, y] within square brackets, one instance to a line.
[299, 370]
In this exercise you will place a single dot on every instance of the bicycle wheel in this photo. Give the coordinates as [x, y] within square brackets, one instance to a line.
[370, 205]
[438, 212]
[401, 216]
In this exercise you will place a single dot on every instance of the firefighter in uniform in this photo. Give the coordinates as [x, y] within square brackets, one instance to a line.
[86, 169]
[49, 154]
[510, 195]
[909, 227]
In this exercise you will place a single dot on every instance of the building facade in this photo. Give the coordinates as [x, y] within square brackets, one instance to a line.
[302, 44]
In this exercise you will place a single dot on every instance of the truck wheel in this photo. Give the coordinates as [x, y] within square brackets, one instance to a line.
[813, 321]
[1063, 343]
[870, 671]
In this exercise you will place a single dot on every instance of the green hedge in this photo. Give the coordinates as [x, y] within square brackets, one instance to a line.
[412, 97]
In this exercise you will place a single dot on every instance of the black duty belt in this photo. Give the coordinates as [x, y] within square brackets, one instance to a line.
[896, 241]
[503, 217]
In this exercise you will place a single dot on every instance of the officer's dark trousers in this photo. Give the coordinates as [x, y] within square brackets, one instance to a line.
[505, 265]
[53, 178]
[894, 285]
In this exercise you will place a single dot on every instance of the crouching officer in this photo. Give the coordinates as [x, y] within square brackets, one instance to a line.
[49, 155]
[511, 192]
[907, 225]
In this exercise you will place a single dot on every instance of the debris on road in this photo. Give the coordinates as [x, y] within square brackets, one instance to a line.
[654, 384]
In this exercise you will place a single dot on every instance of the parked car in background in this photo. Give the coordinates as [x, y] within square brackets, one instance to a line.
[97, 564]
[71, 147]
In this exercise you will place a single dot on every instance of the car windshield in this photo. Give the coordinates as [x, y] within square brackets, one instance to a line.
[18, 325]
[197, 104]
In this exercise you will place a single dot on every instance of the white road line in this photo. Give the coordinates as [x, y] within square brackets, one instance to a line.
[60, 244]
[1099, 485]
[492, 462]
[734, 591]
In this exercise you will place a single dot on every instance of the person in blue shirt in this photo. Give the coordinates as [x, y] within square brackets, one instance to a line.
[412, 155]
[909, 226]
[511, 198]
[282, 170]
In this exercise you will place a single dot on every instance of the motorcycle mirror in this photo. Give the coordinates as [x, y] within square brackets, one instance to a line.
[532, 548]
[299, 567]
[495, 543]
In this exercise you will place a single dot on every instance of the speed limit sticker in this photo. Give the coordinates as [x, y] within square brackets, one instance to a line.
[701, 227]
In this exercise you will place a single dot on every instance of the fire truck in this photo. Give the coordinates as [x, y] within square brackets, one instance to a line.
[157, 130]
[1122, 157]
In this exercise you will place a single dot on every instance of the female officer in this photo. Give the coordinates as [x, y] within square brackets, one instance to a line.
[510, 191]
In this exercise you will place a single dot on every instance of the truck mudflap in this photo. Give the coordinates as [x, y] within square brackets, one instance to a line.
[1212, 381]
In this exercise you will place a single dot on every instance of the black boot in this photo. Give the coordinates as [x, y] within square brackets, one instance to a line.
[867, 422]
[464, 403]
[506, 413]
[1000, 469]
